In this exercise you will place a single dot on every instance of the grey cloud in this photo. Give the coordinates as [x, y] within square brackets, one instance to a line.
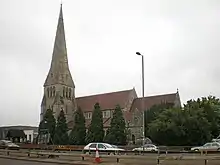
[180, 41]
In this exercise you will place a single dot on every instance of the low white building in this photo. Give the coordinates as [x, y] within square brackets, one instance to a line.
[29, 131]
[29, 135]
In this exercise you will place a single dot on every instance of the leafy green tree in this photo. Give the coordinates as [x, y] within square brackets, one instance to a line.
[117, 131]
[197, 127]
[210, 107]
[164, 128]
[61, 131]
[195, 124]
[47, 125]
[95, 132]
[152, 114]
[179, 127]
[78, 133]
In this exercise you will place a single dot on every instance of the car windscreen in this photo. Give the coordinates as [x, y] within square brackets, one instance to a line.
[108, 146]
[114, 146]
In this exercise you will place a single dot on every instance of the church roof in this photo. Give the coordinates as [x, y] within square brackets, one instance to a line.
[153, 100]
[109, 100]
[59, 72]
[105, 100]
[43, 102]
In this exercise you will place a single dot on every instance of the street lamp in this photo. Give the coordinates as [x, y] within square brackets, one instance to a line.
[142, 57]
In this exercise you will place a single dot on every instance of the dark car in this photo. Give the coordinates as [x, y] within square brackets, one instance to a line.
[6, 144]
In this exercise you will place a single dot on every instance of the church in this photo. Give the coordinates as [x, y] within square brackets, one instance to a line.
[59, 93]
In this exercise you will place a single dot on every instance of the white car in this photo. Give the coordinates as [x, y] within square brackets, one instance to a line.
[213, 146]
[102, 147]
[147, 147]
[217, 139]
[6, 144]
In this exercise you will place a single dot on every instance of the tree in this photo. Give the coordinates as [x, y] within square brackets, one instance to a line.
[61, 131]
[210, 107]
[78, 133]
[195, 124]
[175, 126]
[152, 114]
[95, 131]
[48, 124]
[164, 128]
[197, 127]
[117, 131]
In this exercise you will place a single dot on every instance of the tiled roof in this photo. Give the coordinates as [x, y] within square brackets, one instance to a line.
[106, 100]
[20, 127]
[127, 115]
[153, 100]
[109, 100]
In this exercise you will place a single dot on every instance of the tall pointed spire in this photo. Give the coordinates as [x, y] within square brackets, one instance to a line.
[59, 72]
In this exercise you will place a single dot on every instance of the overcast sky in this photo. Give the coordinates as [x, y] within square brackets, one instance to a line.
[180, 40]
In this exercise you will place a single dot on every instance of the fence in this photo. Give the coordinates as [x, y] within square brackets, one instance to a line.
[77, 148]
[132, 159]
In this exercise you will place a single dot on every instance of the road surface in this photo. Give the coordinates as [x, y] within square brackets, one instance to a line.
[21, 162]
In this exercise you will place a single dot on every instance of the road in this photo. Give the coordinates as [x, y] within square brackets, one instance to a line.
[21, 162]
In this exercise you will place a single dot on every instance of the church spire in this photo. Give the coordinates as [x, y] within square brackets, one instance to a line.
[59, 72]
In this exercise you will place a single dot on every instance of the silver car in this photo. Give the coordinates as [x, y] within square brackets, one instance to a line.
[102, 147]
[6, 144]
[212, 146]
[147, 147]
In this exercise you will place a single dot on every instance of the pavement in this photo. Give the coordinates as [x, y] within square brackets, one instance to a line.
[4, 161]
[11, 160]
[21, 158]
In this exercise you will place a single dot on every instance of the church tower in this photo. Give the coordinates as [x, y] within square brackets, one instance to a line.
[59, 88]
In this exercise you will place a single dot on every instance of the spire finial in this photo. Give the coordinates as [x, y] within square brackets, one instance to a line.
[61, 10]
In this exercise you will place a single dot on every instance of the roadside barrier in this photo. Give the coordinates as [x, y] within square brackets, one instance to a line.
[157, 158]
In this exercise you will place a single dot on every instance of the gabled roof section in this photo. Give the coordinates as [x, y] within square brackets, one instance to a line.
[43, 102]
[106, 100]
[59, 72]
[154, 100]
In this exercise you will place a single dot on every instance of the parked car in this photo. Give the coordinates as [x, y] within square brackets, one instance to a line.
[217, 139]
[212, 146]
[114, 146]
[6, 144]
[147, 147]
[102, 147]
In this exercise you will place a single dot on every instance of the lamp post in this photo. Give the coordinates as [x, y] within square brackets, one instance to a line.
[142, 57]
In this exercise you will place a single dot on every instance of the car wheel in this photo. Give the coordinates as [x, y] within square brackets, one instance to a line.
[135, 152]
[111, 153]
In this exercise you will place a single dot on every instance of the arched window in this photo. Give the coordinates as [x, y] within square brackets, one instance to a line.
[51, 92]
[70, 92]
[54, 91]
[48, 92]
[66, 92]
[63, 91]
